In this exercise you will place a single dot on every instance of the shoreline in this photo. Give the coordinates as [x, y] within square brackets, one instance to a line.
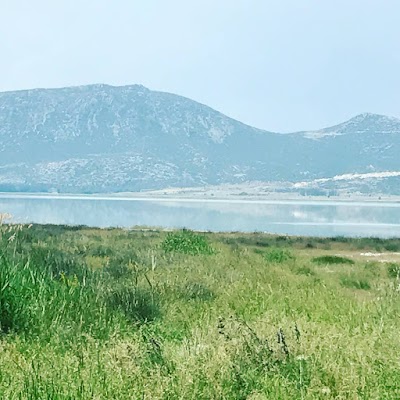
[195, 198]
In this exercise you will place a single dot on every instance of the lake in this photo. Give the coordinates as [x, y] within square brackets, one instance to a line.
[310, 218]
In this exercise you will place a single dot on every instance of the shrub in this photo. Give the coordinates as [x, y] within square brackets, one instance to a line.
[187, 242]
[278, 256]
[332, 260]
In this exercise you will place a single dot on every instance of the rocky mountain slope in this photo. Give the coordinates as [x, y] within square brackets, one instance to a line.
[100, 138]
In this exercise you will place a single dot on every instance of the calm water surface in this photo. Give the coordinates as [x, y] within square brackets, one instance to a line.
[283, 217]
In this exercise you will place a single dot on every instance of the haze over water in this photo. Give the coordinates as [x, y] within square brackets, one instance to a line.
[282, 217]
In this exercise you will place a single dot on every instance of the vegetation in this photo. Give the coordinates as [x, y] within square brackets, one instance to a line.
[116, 314]
[332, 260]
[394, 270]
[187, 242]
[276, 255]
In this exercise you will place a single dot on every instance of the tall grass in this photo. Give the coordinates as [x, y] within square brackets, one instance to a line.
[329, 260]
[187, 242]
[99, 314]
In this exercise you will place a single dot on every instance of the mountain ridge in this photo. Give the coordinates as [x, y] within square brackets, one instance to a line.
[141, 86]
[367, 117]
[96, 138]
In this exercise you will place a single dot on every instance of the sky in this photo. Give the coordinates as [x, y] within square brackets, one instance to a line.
[281, 65]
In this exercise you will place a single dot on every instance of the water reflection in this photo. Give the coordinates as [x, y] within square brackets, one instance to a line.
[294, 218]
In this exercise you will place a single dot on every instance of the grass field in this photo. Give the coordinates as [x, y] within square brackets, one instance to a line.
[117, 314]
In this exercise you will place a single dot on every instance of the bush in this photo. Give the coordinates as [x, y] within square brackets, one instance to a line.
[187, 242]
[332, 260]
[278, 256]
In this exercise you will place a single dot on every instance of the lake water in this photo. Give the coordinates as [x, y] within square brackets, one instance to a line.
[311, 218]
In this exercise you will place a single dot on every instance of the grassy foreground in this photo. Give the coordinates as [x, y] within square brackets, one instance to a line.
[114, 314]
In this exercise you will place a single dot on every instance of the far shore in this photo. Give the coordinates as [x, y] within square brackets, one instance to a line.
[159, 196]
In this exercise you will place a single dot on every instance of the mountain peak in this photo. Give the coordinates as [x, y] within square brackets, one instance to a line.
[136, 86]
[360, 124]
[371, 117]
[94, 87]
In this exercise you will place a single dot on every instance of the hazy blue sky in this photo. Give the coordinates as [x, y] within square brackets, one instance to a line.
[280, 65]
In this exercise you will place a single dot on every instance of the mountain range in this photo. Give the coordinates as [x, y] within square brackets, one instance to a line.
[101, 138]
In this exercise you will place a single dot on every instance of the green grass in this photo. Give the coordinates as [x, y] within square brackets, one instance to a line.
[329, 260]
[277, 255]
[353, 282]
[393, 270]
[115, 314]
[187, 242]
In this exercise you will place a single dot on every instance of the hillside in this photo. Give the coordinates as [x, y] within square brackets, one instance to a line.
[100, 138]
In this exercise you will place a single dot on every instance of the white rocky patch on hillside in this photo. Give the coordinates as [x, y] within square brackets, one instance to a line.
[350, 177]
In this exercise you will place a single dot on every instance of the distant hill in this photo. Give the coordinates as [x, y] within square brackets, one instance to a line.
[100, 138]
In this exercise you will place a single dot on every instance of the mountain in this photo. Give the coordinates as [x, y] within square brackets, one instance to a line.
[364, 124]
[100, 138]
[364, 144]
